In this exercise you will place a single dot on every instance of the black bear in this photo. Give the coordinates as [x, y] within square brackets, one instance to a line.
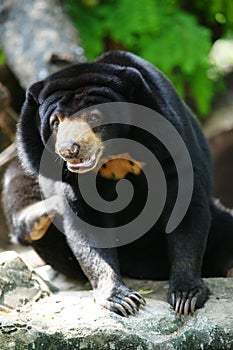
[37, 202]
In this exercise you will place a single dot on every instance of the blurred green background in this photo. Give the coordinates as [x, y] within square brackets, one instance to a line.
[175, 35]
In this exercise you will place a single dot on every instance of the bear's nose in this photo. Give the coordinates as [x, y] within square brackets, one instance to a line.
[68, 149]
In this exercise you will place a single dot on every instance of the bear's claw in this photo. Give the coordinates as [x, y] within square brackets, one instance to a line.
[185, 303]
[127, 305]
[124, 304]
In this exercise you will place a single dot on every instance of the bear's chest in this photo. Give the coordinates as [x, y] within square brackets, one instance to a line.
[97, 203]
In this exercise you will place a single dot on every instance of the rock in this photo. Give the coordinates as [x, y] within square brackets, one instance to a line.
[18, 283]
[71, 320]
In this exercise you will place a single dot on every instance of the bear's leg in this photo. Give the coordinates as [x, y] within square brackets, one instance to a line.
[218, 258]
[31, 223]
[28, 216]
[100, 265]
[54, 250]
[186, 246]
[29, 220]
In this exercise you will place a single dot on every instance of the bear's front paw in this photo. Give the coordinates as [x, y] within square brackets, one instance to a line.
[122, 300]
[32, 228]
[186, 299]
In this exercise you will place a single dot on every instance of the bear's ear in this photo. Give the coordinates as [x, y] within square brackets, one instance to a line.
[28, 140]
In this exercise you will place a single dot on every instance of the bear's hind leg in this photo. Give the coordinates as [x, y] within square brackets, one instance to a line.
[218, 258]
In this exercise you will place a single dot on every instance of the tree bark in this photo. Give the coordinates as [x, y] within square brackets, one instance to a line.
[37, 38]
[8, 120]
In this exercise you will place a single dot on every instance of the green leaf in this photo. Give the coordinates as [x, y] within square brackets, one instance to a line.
[160, 32]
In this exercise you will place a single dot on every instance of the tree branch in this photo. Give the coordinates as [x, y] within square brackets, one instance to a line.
[37, 38]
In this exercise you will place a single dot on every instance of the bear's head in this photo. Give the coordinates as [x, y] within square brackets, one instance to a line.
[64, 108]
[77, 141]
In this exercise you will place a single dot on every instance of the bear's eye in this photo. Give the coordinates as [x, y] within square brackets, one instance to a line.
[54, 122]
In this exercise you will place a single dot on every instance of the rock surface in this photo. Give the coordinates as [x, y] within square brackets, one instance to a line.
[70, 320]
[19, 284]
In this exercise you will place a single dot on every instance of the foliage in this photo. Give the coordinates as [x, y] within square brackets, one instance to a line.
[159, 31]
[2, 58]
[216, 14]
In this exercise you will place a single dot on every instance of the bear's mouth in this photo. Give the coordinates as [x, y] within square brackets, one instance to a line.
[83, 165]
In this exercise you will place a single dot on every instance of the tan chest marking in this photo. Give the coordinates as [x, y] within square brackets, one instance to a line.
[117, 167]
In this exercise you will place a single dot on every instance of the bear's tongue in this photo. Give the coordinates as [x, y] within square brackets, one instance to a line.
[76, 161]
[79, 163]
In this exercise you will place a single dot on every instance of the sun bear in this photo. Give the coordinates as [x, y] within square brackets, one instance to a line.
[37, 200]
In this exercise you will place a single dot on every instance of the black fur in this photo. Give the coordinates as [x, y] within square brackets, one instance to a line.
[120, 76]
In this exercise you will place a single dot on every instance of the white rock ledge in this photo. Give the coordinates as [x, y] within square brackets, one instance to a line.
[70, 320]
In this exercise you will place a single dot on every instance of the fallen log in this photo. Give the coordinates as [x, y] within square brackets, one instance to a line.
[37, 38]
